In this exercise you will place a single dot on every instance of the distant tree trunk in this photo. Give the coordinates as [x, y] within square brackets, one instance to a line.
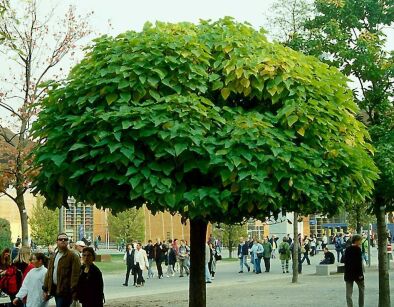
[230, 249]
[358, 220]
[197, 288]
[384, 281]
[295, 249]
[20, 201]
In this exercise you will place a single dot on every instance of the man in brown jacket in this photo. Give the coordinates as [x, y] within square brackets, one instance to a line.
[63, 273]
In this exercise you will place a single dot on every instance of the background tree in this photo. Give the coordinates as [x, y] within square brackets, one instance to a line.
[34, 44]
[5, 234]
[229, 234]
[286, 19]
[211, 121]
[359, 216]
[44, 223]
[128, 225]
[350, 35]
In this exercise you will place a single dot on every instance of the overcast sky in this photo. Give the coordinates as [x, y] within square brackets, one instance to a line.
[132, 14]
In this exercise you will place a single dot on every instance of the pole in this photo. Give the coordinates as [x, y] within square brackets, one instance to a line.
[369, 244]
[61, 219]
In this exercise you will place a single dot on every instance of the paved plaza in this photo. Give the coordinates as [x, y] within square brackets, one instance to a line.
[232, 288]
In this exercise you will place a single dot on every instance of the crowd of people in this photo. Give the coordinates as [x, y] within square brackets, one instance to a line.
[70, 276]
[175, 254]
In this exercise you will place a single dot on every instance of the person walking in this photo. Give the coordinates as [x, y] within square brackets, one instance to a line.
[150, 254]
[23, 265]
[208, 278]
[267, 254]
[141, 262]
[62, 277]
[243, 249]
[338, 244]
[354, 271]
[31, 290]
[324, 241]
[212, 260]
[128, 259]
[256, 254]
[159, 255]
[364, 248]
[284, 254]
[90, 288]
[183, 258]
[305, 251]
[170, 259]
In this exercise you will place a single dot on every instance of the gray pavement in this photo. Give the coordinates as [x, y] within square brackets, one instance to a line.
[247, 289]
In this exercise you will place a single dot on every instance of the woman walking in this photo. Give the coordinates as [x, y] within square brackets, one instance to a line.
[90, 288]
[141, 263]
[31, 289]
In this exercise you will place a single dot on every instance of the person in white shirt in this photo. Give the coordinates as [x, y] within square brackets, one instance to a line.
[32, 284]
[141, 263]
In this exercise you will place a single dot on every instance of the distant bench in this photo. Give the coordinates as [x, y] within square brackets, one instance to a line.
[327, 269]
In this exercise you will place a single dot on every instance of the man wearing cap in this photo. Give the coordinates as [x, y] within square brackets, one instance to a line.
[78, 247]
[63, 272]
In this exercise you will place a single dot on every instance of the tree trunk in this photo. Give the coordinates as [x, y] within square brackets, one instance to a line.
[197, 288]
[295, 249]
[230, 249]
[358, 221]
[384, 282]
[20, 202]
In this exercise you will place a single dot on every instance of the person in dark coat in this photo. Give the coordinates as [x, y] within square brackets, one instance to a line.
[159, 254]
[329, 257]
[354, 271]
[129, 260]
[90, 288]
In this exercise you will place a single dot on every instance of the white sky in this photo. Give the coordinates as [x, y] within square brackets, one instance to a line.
[132, 14]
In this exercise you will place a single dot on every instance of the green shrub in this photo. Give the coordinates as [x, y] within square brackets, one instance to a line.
[5, 234]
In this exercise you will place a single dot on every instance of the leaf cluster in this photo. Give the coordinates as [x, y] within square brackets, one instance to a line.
[127, 225]
[43, 223]
[209, 120]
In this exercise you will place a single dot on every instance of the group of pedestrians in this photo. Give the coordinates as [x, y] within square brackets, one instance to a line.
[257, 251]
[175, 254]
[71, 278]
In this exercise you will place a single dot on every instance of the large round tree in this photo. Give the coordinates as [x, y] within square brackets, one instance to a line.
[209, 120]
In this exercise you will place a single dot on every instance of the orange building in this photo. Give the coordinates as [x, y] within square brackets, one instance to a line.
[93, 222]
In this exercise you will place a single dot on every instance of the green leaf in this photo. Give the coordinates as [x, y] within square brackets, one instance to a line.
[135, 181]
[127, 151]
[126, 124]
[77, 146]
[179, 148]
[167, 182]
[225, 93]
[291, 120]
[111, 98]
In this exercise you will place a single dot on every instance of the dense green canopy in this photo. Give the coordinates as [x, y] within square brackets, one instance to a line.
[209, 120]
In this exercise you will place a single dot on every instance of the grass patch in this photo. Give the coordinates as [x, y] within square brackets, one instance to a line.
[115, 266]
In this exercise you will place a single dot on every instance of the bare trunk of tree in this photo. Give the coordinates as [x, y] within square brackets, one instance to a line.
[197, 288]
[20, 202]
[384, 281]
[295, 249]
[358, 220]
[230, 249]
